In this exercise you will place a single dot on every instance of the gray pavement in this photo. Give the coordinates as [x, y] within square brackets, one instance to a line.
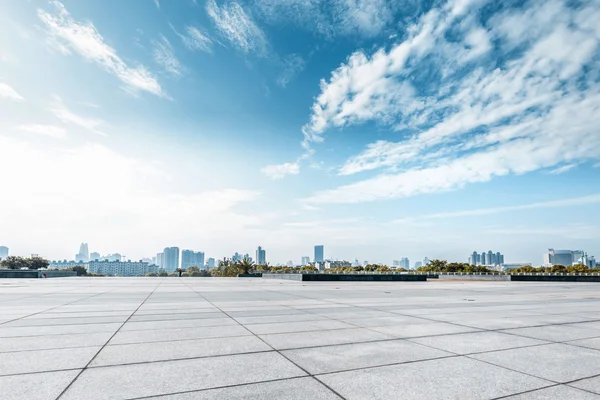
[209, 338]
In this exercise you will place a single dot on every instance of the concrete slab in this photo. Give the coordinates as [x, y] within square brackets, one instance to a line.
[556, 333]
[555, 393]
[138, 380]
[321, 338]
[477, 342]
[26, 362]
[556, 362]
[456, 378]
[53, 341]
[43, 386]
[291, 389]
[590, 384]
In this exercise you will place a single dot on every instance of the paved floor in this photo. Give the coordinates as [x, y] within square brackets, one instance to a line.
[199, 338]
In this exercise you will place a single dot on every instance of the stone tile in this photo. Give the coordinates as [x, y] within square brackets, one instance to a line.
[555, 393]
[281, 319]
[189, 323]
[23, 362]
[146, 352]
[476, 342]
[43, 386]
[556, 333]
[179, 316]
[291, 389]
[385, 321]
[455, 378]
[304, 326]
[318, 360]
[556, 362]
[321, 338]
[421, 329]
[57, 330]
[593, 343]
[66, 321]
[53, 341]
[591, 384]
[161, 335]
[139, 380]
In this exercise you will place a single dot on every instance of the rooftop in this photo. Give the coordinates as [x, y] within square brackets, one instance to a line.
[195, 338]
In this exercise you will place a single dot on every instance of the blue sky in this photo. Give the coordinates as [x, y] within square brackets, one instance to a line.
[381, 129]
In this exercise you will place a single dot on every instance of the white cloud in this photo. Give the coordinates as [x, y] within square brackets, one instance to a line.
[164, 56]
[281, 170]
[563, 169]
[68, 35]
[8, 92]
[333, 18]
[571, 202]
[62, 112]
[45, 130]
[321, 223]
[157, 4]
[536, 109]
[238, 27]
[195, 39]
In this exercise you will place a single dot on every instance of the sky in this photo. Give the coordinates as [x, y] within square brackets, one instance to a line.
[379, 129]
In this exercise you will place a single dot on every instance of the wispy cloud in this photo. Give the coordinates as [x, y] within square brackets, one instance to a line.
[563, 169]
[68, 35]
[570, 202]
[157, 4]
[8, 92]
[195, 39]
[281, 170]
[482, 116]
[314, 224]
[62, 112]
[238, 27]
[292, 65]
[164, 56]
[45, 130]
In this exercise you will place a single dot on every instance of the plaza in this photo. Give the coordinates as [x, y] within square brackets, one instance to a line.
[251, 338]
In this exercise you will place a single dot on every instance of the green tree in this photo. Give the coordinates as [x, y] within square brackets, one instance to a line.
[81, 271]
[163, 274]
[38, 263]
[246, 265]
[191, 270]
[15, 262]
[153, 274]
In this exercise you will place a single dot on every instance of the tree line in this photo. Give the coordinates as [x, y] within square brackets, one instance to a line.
[16, 262]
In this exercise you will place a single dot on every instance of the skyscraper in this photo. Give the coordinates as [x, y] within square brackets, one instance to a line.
[562, 257]
[261, 256]
[211, 263]
[84, 253]
[305, 260]
[3, 252]
[95, 256]
[474, 258]
[171, 258]
[484, 260]
[160, 257]
[404, 263]
[190, 258]
[319, 253]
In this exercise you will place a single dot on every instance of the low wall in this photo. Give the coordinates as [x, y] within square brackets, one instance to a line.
[443, 277]
[348, 277]
[33, 274]
[255, 275]
[555, 278]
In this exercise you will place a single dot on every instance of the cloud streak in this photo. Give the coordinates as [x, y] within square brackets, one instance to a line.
[63, 113]
[489, 111]
[68, 35]
[45, 130]
[164, 56]
[8, 92]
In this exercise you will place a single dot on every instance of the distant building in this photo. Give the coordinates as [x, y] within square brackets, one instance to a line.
[261, 256]
[95, 256]
[66, 264]
[515, 265]
[418, 264]
[305, 261]
[237, 257]
[190, 258]
[290, 264]
[112, 257]
[121, 268]
[396, 263]
[170, 259]
[84, 253]
[426, 261]
[484, 258]
[336, 264]
[563, 257]
[319, 253]
[211, 263]
[3, 252]
[160, 259]
[404, 263]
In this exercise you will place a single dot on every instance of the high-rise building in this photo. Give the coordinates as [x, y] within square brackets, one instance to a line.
[319, 253]
[404, 263]
[261, 256]
[94, 256]
[562, 257]
[121, 268]
[305, 261]
[3, 252]
[473, 258]
[418, 264]
[484, 258]
[170, 258]
[84, 253]
[190, 258]
[211, 263]
[160, 259]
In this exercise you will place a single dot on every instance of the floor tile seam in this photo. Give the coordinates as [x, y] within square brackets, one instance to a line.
[513, 370]
[217, 388]
[41, 372]
[48, 349]
[53, 308]
[178, 340]
[101, 323]
[92, 367]
[279, 352]
[547, 340]
[108, 341]
[482, 352]
[583, 389]
[526, 392]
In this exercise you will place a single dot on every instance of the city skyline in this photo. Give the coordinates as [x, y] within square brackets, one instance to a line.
[228, 124]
